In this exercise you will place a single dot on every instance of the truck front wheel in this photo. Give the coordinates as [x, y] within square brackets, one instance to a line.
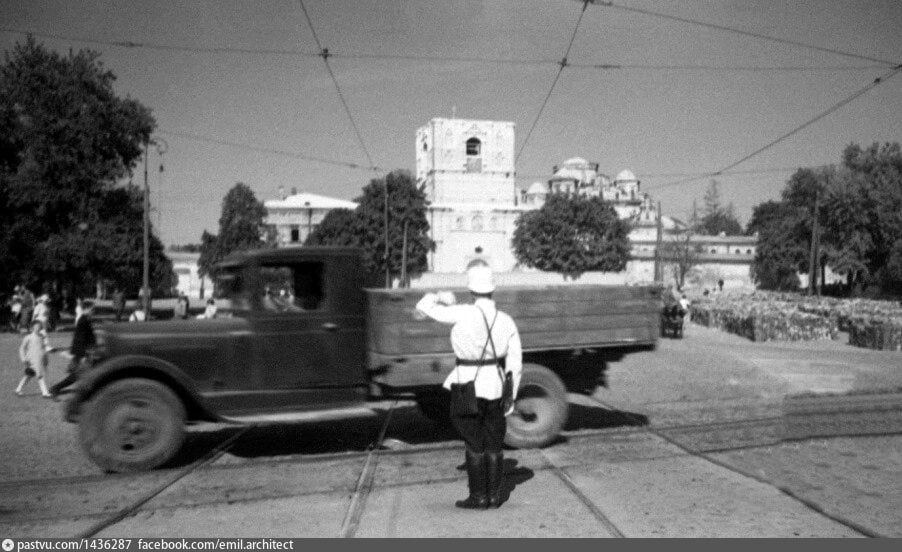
[540, 410]
[132, 424]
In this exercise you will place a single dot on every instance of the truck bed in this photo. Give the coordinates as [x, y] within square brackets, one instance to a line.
[547, 317]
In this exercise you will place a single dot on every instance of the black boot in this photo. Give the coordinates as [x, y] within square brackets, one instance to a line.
[476, 480]
[495, 477]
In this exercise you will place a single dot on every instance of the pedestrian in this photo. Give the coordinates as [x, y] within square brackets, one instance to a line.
[210, 310]
[138, 315]
[27, 298]
[487, 346]
[181, 306]
[82, 340]
[42, 311]
[118, 303]
[34, 354]
[720, 285]
[15, 310]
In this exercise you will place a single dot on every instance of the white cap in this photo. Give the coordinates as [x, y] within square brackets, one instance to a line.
[479, 279]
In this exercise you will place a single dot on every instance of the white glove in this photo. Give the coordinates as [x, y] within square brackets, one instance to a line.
[446, 298]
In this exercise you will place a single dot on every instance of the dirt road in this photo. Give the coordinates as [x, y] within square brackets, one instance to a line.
[687, 440]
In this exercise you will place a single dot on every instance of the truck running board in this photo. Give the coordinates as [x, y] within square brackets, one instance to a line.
[308, 416]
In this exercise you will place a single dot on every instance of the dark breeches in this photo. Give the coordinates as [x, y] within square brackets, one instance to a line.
[483, 432]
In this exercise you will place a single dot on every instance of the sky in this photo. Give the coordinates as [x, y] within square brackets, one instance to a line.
[239, 94]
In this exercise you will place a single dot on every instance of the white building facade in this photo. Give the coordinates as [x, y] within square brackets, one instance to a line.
[296, 216]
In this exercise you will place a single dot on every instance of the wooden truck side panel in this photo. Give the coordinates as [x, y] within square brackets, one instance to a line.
[406, 351]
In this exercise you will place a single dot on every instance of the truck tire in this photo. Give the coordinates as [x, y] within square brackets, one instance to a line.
[435, 405]
[132, 424]
[540, 410]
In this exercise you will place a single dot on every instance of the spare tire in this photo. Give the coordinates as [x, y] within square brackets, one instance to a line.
[540, 411]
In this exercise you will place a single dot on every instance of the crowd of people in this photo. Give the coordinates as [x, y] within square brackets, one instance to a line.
[22, 307]
[35, 317]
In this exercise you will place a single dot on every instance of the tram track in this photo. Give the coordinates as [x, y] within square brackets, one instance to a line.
[578, 434]
[810, 504]
[209, 458]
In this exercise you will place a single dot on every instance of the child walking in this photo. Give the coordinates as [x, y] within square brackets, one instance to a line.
[33, 352]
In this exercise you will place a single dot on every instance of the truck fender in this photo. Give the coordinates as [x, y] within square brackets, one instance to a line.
[138, 366]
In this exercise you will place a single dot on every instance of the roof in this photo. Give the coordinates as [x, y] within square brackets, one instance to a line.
[308, 201]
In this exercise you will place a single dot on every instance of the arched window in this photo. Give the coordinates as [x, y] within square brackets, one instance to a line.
[748, 251]
[713, 251]
[459, 223]
[474, 146]
[477, 222]
[739, 252]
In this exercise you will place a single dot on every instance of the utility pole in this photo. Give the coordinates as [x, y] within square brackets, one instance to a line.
[812, 257]
[387, 269]
[145, 280]
[404, 257]
[659, 272]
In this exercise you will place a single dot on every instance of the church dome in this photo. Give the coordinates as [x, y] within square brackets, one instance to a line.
[625, 175]
[537, 188]
[575, 162]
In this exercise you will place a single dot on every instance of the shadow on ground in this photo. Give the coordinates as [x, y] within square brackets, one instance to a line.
[407, 425]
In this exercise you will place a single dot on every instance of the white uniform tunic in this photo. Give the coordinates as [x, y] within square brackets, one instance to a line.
[468, 337]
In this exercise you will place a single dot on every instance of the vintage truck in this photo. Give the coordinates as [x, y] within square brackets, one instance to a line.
[301, 332]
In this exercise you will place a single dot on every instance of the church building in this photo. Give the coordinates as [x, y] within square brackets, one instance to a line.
[467, 170]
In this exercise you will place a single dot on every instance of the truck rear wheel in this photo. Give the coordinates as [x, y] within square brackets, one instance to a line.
[540, 410]
[132, 424]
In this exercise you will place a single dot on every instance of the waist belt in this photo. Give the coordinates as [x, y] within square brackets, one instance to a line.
[483, 362]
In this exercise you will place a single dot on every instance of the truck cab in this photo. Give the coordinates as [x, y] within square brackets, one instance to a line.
[289, 337]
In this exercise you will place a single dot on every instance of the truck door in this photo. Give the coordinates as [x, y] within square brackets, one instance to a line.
[301, 340]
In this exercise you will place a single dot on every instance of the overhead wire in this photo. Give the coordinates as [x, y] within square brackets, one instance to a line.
[845, 101]
[296, 155]
[131, 44]
[557, 76]
[324, 53]
[743, 32]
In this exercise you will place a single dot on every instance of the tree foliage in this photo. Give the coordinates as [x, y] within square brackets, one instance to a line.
[715, 217]
[66, 142]
[858, 214]
[572, 235]
[781, 251]
[365, 226]
[241, 226]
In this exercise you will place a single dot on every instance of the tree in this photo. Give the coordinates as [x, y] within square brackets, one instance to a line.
[365, 226]
[781, 249]
[66, 142]
[572, 235]
[716, 218]
[681, 255]
[338, 227]
[877, 177]
[241, 227]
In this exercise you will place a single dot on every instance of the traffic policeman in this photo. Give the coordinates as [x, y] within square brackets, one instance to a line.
[486, 343]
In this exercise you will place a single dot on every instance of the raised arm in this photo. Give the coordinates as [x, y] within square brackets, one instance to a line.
[434, 305]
